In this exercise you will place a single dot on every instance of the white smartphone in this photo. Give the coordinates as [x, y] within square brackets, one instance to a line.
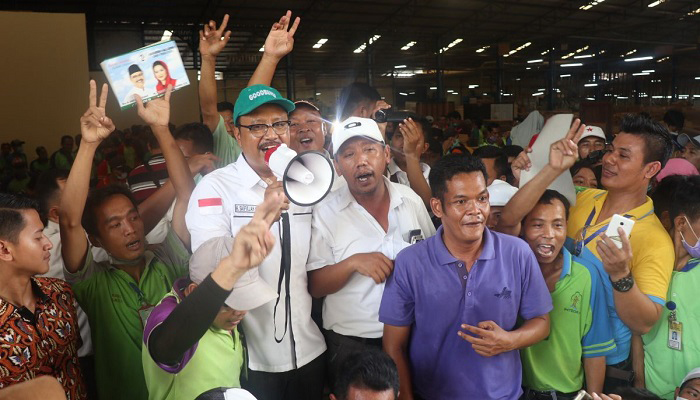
[618, 221]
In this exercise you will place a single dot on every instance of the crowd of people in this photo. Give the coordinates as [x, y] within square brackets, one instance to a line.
[162, 262]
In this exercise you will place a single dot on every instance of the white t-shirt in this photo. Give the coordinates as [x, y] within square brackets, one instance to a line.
[52, 232]
[341, 227]
[222, 203]
[402, 176]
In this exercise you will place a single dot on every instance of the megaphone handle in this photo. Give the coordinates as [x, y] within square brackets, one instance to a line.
[285, 274]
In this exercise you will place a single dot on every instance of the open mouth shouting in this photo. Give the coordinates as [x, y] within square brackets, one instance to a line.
[545, 250]
[364, 177]
[265, 146]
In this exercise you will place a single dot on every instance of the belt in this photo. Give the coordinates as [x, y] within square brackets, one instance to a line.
[531, 394]
[370, 341]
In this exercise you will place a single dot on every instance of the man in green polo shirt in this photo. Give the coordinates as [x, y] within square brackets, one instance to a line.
[117, 295]
[579, 323]
[666, 361]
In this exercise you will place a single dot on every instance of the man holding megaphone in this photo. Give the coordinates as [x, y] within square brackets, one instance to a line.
[357, 231]
[285, 346]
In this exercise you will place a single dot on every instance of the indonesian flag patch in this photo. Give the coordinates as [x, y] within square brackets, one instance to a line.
[211, 206]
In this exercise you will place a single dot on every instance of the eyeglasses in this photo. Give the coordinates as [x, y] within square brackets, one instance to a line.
[260, 130]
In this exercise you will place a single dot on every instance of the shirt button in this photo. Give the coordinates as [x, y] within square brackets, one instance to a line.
[465, 277]
[460, 265]
[469, 293]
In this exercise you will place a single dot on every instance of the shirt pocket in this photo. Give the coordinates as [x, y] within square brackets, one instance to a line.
[300, 227]
[238, 221]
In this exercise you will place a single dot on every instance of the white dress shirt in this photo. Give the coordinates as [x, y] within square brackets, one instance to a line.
[341, 227]
[52, 232]
[402, 176]
[222, 203]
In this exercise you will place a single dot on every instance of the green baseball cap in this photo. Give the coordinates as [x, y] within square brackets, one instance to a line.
[254, 96]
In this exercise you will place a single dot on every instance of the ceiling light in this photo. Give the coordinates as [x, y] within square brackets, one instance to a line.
[697, 78]
[639, 59]
[433, 88]
[481, 50]
[590, 5]
[403, 94]
[318, 94]
[565, 75]
[528, 68]
[623, 97]
[539, 60]
[663, 59]
[537, 94]
[590, 98]
[545, 52]
[320, 43]
[696, 12]
[166, 35]
[629, 53]
[640, 74]
[510, 53]
[648, 70]
[399, 66]
[451, 45]
[408, 45]
[262, 48]
[363, 46]
[541, 90]
[572, 65]
[590, 84]
[584, 56]
[584, 48]
[656, 3]
[473, 86]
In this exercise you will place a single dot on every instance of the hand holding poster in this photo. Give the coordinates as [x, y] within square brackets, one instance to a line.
[146, 71]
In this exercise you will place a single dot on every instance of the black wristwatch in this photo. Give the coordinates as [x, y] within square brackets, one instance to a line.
[624, 284]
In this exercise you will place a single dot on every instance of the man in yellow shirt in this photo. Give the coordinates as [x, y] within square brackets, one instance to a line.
[636, 276]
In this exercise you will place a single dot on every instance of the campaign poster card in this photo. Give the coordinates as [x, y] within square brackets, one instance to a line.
[147, 72]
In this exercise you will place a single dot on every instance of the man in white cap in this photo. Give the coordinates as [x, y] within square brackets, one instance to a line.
[593, 139]
[500, 193]
[357, 231]
[690, 148]
[690, 387]
[191, 343]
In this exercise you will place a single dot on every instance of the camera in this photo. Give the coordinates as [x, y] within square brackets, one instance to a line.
[391, 115]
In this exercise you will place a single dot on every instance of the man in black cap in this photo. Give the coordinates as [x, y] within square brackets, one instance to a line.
[139, 82]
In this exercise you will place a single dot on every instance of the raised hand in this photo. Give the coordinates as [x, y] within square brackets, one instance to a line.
[616, 261]
[280, 40]
[95, 125]
[521, 163]
[213, 40]
[564, 153]
[202, 163]
[157, 111]
[413, 139]
[254, 241]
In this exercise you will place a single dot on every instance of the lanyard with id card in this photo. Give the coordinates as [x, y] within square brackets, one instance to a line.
[146, 308]
[675, 328]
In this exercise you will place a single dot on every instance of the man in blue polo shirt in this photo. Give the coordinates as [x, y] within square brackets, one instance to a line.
[451, 306]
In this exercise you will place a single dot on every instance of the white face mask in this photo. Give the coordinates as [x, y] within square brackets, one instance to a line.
[680, 398]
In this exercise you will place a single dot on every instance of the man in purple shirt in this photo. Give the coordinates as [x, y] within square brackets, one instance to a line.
[451, 306]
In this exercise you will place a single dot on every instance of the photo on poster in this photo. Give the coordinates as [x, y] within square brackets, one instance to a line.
[146, 71]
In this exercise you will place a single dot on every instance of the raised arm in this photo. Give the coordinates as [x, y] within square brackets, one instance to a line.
[211, 42]
[279, 43]
[413, 146]
[95, 126]
[562, 155]
[157, 115]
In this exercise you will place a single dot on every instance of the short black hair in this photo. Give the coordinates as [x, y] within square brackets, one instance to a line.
[224, 106]
[198, 133]
[657, 139]
[662, 196]
[686, 198]
[550, 195]
[39, 148]
[450, 165]
[371, 369]
[454, 114]
[95, 199]
[492, 125]
[11, 219]
[686, 383]
[675, 118]
[512, 150]
[352, 96]
[46, 189]
[501, 164]
[134, 68]
[64, 137]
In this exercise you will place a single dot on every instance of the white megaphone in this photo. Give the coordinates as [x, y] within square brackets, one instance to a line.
[307, 177]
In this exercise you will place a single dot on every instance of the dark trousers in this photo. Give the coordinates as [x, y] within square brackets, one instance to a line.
[618, 375]
[305, 383]
[87, 367]
[340, 347]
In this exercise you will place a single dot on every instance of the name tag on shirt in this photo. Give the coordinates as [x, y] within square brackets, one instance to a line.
[210, 206]
[244, 208]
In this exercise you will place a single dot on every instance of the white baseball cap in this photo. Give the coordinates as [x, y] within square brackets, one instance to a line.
[593, 131]
[248, 293]
[500, 193]
[684, 138]
[355, 126]
[694, 374]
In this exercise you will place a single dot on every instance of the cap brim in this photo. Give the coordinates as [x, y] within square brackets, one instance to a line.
[340, 145]
[251, 296]
[684, 139]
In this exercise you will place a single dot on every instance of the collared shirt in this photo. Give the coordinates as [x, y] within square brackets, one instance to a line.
[652, 256]
[664, 367]
[424, 293]
[52, 232]
[579, 327]
[116, 304]
[402, 176]
[145, 179]
[43, 343]
[214, 361]
[342, 228]
[221, 204]
[226, 147]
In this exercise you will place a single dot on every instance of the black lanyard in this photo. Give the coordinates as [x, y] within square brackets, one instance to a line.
[285, 274]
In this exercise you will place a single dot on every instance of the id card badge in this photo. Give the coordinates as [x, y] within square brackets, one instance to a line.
[415, 236]
[675, 334]
[144, 313]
